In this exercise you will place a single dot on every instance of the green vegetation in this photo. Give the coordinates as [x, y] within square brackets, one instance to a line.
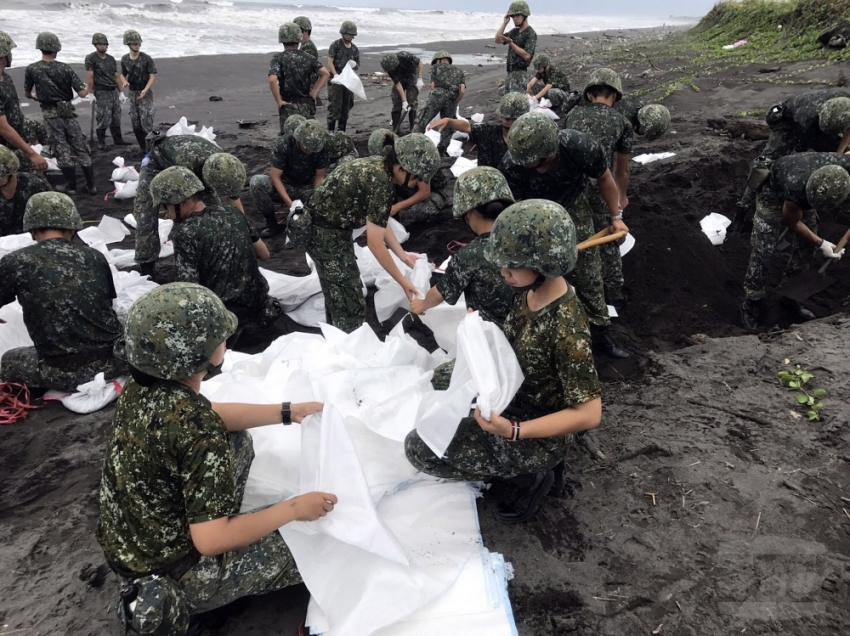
[756, 112]
[796, 380]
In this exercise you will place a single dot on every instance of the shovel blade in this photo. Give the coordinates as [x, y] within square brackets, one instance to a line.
[805, 285]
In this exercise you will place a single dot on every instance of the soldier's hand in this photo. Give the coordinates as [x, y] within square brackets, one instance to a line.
[619, 226]
[409, 289]
[143, 93]
[497, 425]
[37, 160]
[439, 125]
[301, 410]
[507, 18]
[419, 83]
[313, 505]
[828, 250]
[417, 306]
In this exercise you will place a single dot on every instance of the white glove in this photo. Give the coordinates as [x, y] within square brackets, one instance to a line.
[122, 97]
[419, 83]
[352, 64]
[405, 106]
[296, 204]
[827, 248]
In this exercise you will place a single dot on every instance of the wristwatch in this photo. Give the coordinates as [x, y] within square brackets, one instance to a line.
[286, 413]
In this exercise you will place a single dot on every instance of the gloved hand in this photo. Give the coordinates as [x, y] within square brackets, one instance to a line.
[827, 248]
[296, 205]
[405, 106]
[352, 64]
[420, 83]
[122, 97]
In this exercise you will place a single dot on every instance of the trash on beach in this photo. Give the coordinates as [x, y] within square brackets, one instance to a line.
[463, 165]
[714, 227]
[351, 81]
[455, 148]
[649, 158]
[477, 118]
[627, 244]
[729, 47]
[123, 173]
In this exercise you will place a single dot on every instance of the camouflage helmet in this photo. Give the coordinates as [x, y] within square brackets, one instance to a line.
[348, 28]
[132, 37]
[418, 156]
[533, 136]
[289, 33]
[311, 135]
[478, 187]
[389, 62]
[540, 60]
[9, 163]
[6, 44]
[653, 120]
[834, 116]
[535, 234]
[441, 55]
[303, 23]
[48, 42]
[173, 330]
[513, 106]
[174, 185]
[51, 210]
[827, 187]
[520, 7]
[224, 174]
[376, 141]
[99, 38]
[604, 77]
[292, 122]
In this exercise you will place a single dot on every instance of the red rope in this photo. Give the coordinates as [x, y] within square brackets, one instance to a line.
[454, 245]
[14, 402]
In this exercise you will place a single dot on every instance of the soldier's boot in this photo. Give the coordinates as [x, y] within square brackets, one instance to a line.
[396, 120]
[602, 341]
[70, 186]
[101, 140]
[117, 137]
[141, 137]
[342, 124]
[801, 314]
[737, 224]
[615, 296]
[331, 124]
[520, 505]
[750, 314]
[147, 269]
[88, 172]
[411, 119]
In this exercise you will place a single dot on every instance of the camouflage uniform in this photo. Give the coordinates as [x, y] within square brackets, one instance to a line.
[517, 78]
[66, 293]
[788, 178]
[137, 73]
[340, 150]
[295, 71]
[629, 107]
[10, 106]
[340, 99]
[795, 127]
[425, 210]
[309, 47]
[406, 74]
[55, 83]
[105, 90]
[443, 99]
[12, 210]
[490, 142]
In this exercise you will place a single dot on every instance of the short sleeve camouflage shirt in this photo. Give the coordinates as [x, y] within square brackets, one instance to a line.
[12, 210]
[189, 151]
[789, 175]
[309, 47]
[447, 76]
[138, 71]
[298, 168]
[10, 105]
[295, 71]
[628, 107]
[357, 192]
[338, 145]
[407, 70]
[608, 127]
[341, 54]
[526, 40]
[104, 71]
[555, 77]
[490, 143]
[53, 82]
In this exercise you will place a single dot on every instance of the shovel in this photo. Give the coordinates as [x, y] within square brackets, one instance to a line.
[401, 119]
[600, 238]
[809, 283]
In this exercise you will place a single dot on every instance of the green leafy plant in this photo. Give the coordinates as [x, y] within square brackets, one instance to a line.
[796, 380]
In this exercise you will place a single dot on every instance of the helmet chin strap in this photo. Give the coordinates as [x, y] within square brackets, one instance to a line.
[538, 282]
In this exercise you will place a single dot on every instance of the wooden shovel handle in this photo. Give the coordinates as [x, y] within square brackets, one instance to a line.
[600, 239]
[842, 242]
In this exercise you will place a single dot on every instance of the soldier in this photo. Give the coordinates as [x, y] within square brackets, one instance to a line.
[139, 73]
[543, 163]
[647, 120]
[12, 132]
[16, 188]
[405, 71]
[103, 78]
[480, 195]
[357, 194]
[798, 186]
[298, 166]
[448, 86]
[175, 473]
[555, 85]
[521, 41]
[307, 45]
[339, 149]
[66, 293]
[377, 140]
[55, 84]
[341, 52]
[614, 133]
[534, 242]
[490, 138]
[291, 77]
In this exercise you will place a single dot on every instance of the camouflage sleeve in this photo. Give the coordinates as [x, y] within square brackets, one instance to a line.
[586, 153]
[29, 81]
[475, 131]
[206, 473]
[515, 176]
[89, 62]
[355, 54]
[332, 52]
[278, 159]
[122, 66]
[76, 83]
[151, 67]
[274, 67]
[463, 77]
[107, 273]
[380, 200]
[7, 281]
[624, 143]
[452, 284]
[575, 366]
[531, 43]
[186, 257]
[323, 159]
[316, 65]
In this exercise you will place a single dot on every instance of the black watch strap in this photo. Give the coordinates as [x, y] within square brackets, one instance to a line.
[286, 413]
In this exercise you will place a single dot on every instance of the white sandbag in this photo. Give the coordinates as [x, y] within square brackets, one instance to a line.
[310, 313]
[398, 229]
[390, 295]
[649, 158]
[463, 165]
[292, 291]
[13, 333]
[455, 148]
[434, 135]
[126, 190]
[108, 231]
[126, 258]
[91, 396]
[12, 242]
[536, 106]
[714, 227]
[129, 287]
[443, 320]
[130, 220]
[52, 165]
[351, 81]
[627, 244]
[183, 127]
[83, 100]
[123, 172]
[207, 133]
[477, 118]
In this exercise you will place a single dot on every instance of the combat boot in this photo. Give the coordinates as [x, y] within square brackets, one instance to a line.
[331, 125]
[141, 137]
[602, 341]
[740, 220]
[88, 172]
[801, 314]
[117, 137]
[528, 492]
[396, 120]
[147, 269]
[750, 314]
[70, 186]
[411, 119]
[100, 144]
[342, 124]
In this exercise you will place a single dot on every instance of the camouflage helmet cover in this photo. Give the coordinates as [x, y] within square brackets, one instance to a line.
[303, 23]
[478, 187]
[348, 28]
[174, 185]
[289, 33]
[604, 77]
[389, 62]
[418, 156]
[173, 330]
[534, 234]
[520, 7]
[834, 116]
[224, 174]
[376, 141]
[540, 60]
[653, 120]
[441, 55]
[9, 163]
[827, 187]
[292, 122]
[51, 210]
[311, 135]
[6, 44]
[47, 41]
[533, 136]
[99, 38]
[132, 37]
[513, 106]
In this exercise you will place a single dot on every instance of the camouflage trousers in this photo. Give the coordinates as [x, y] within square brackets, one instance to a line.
[515, 82]
[333, 252]
[351, 156]
[147, 218]
[141, 112]
[474, 454]
[411, 96]
[443, 376]
[68, 143]
[107, 108]
[24, 366]
[27, 166]
[425, 211]
[612, 262]
[305, 106]
[340, 102]
[767, 228]
[586, 278]
[442, 102]
[265, 197]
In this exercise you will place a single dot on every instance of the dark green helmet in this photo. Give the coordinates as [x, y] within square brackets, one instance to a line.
[535, 234]
[174, 185]
[533, 136]
[834, 116]
[132, 37]
[653, 121]
[418, 156]
[311, 135]
[520, 7]
[441, 55]
[478, 187]
[376, 141]
[604, 77]
[348, 28]
[303, 23]
[51, 211]
[540, 60]
[292, 122]
[828, 187]
[48, 42]
[173, 330]
[224, 174]
[289, 33]
[6, 44]
[9, 163]
[513, 106]
[99, 38]
[389, 62]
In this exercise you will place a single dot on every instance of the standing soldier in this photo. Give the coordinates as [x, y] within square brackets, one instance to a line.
[307, 45]
[291, 75]
[104, 79]
[55, 84]
[405, 71]
[521, 41]
[340, 53]
[139, 73]
[448, 86]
